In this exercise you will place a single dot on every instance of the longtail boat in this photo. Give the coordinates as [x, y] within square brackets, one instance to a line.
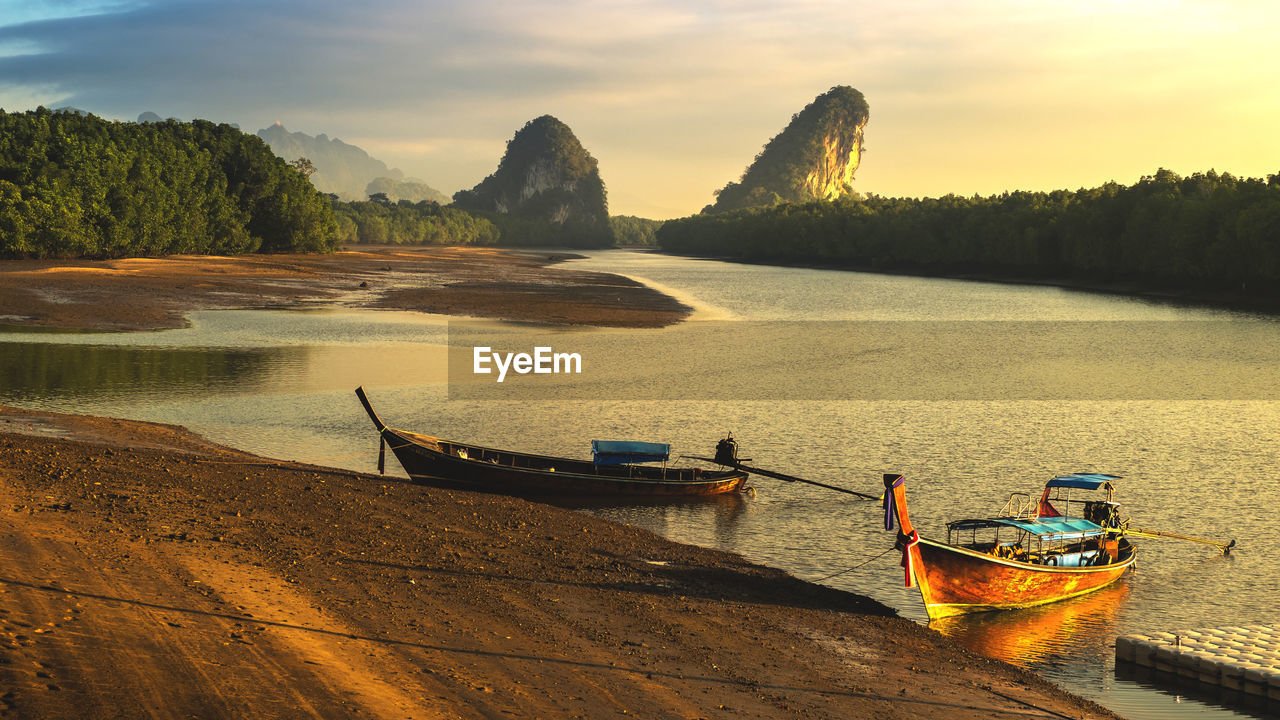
[1034, 552]
[614, 469]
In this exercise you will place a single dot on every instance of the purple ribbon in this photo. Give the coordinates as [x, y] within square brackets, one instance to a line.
[890, 504]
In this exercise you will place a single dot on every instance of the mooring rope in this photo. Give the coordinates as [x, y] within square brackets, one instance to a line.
[855, 567]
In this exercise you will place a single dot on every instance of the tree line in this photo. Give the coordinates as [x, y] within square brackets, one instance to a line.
[632, 231]
[75, 185]
[381, 222]
[1207, 231]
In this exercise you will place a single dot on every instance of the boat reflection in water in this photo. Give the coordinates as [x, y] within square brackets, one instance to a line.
[1039, 635]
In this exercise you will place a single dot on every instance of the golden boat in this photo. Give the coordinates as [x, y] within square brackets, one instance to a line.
[1034, 552]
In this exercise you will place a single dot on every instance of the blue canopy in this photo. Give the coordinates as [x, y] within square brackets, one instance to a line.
[622, 452]
[1055, 528]
[1084, 481]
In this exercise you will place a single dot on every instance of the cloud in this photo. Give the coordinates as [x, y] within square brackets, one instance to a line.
[674, 97]
[412, 72]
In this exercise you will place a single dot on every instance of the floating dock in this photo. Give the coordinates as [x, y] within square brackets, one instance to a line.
[1245, 658]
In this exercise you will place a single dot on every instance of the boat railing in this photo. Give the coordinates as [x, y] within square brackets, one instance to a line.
[1018, 506]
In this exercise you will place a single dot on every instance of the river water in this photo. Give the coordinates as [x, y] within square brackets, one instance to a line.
[973, 390]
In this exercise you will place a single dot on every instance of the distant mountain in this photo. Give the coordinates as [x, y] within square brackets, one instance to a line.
[342, 169]
[546, 176]
[813, 158]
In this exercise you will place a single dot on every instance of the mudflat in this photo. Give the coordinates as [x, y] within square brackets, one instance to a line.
[157, 293]
[145, 572]
[148, 573]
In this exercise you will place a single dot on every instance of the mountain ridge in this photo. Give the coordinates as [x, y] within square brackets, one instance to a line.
[346, 170]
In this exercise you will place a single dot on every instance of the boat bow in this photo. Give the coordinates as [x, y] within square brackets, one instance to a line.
[895, 511]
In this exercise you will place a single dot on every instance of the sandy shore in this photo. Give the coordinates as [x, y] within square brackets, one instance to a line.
[1258, 300]
[156, 293]
[145, 572]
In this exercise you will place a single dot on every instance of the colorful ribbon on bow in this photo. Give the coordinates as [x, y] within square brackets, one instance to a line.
[890, 504]
[908, 565]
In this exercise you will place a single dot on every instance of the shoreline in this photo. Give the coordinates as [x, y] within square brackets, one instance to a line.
[1203, 299]
[145, 566]
[140, 294]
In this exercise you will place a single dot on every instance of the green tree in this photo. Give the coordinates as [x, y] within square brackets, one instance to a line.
[76, 185]
[304, 166]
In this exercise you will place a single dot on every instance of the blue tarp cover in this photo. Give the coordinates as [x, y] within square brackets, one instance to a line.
[1084, 481]
[621, 452]
[1055, 528]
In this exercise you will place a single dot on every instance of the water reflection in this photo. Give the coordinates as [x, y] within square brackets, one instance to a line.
[104, 376]
[1180, 690]
[280, 384]
[1041, 635]
[865, 360]
[722, 515]
[38, 371]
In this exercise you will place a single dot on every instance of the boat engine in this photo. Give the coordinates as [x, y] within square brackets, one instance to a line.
[1106, 514]
[727, 451]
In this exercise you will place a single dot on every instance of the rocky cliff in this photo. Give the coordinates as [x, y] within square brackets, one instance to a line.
[546, 176]
[814, 158]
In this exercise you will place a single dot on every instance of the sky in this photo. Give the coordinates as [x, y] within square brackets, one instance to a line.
[674, 98]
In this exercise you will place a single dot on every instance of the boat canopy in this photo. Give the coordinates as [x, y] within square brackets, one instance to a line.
[1083, 481]
[1046, 528]
[622, 452]
[1057, 528]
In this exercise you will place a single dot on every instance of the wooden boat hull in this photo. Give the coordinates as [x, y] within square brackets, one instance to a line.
[955, 580]
[433, 461]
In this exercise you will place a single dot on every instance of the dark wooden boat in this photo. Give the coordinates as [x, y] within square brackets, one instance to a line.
[613, 471]
[1031, 554]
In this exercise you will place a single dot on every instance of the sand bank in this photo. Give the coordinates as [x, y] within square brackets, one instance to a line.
[145, 572]
[157, 293]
